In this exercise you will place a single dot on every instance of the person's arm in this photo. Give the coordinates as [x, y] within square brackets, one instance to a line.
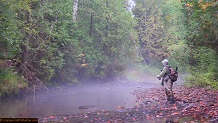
[162, 73]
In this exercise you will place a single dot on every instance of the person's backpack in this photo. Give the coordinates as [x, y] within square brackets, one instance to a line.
[173, 74]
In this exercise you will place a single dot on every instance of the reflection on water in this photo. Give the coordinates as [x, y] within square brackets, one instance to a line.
[107, 96]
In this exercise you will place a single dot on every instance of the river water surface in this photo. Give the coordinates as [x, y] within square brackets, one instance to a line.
[106, 96]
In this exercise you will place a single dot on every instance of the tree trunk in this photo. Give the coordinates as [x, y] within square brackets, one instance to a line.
[107, 4]
[75, 8]
[91, 18]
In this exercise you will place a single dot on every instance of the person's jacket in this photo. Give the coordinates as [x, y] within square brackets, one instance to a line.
[165, 71]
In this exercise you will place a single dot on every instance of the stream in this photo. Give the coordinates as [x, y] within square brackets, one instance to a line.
[71, 100]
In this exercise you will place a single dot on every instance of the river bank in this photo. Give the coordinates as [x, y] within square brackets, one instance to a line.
[192, 105]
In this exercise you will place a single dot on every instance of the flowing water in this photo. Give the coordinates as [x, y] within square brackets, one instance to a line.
[70, 100]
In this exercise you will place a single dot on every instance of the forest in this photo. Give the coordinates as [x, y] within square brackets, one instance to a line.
[49, 43]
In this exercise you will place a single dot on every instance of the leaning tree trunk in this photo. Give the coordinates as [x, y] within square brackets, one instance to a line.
[75, 8]
[28, 71]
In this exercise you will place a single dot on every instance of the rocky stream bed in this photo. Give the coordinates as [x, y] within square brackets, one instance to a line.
[192, 105]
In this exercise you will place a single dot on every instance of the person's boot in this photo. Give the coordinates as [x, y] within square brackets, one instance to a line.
[171, 100]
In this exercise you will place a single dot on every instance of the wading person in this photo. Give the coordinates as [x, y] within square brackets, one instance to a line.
[166, 81]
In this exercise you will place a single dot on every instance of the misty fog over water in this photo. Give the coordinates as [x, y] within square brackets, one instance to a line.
[67, 100]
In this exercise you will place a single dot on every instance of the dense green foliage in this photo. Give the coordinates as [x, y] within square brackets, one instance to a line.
[161, 31]
[188, 36]
[150, 28]
[49, 47]
[202, 38]
[9, 36]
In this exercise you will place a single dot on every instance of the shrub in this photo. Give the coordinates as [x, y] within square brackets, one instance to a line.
[10, 82]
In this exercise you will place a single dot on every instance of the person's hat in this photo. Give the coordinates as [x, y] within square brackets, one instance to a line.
[165, 62]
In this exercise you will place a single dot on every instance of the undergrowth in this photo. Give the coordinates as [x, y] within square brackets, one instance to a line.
[202, 80]
[10, 83]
